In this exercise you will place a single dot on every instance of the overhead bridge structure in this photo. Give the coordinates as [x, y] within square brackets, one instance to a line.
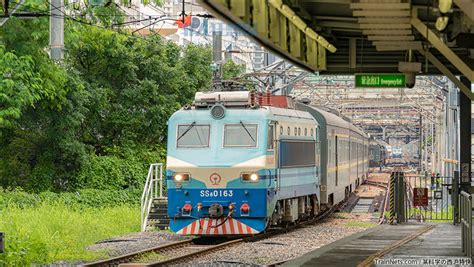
[355, 36]
[345, 37]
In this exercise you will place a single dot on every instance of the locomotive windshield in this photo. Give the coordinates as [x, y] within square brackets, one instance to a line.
[240, 135]
[193, 136]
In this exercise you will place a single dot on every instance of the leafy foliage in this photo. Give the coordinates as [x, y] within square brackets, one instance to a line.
[77, 136]
[232, 70]
[97, 119]
[19, 86]
[81, 199]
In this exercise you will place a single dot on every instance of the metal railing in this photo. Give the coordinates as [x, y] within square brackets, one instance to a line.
[435, 198]
[466, 223]
[155, 188]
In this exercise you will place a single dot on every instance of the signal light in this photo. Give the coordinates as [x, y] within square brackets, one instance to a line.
[245, 208]
[231, 207]
[187, 208]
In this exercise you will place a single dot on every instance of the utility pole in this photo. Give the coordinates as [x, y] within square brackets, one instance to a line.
[217, 54]
[56, 31]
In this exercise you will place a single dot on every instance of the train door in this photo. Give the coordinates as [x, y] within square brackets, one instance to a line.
[273, 144]
[318, 152]
[336, 163]
[358, 159]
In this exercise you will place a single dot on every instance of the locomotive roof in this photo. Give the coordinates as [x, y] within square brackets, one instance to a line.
[289, 113]
[265, 111]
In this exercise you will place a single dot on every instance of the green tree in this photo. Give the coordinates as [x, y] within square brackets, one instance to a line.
[103, 110]
[232, 70]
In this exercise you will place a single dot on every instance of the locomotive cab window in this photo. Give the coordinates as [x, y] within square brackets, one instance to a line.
[240, 135]
[193, 136]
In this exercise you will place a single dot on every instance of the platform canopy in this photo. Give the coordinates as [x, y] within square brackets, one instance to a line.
[354, 36]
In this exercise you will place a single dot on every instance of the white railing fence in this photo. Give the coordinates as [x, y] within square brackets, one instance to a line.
[155, 188]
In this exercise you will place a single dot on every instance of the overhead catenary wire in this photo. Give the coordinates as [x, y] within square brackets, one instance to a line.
[45, 13]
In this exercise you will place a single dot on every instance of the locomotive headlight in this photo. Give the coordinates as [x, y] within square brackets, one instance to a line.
[254, 177]
[250, 177]
[181, 177]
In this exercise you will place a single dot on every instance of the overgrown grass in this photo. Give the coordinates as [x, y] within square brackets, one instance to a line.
[84, 198]
[57, 230]
[442, 215]
[150, 257]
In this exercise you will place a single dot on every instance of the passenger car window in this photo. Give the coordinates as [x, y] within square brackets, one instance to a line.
[240, 135]
[193, 135]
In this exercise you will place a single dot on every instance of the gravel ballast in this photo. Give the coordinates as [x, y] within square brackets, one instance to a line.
[289, 245]
[269, 250]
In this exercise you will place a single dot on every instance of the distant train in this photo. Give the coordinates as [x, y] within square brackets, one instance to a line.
[238, 163]
[377, 154]
[397, 153]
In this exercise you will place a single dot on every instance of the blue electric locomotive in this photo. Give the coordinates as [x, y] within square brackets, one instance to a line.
[237, 164]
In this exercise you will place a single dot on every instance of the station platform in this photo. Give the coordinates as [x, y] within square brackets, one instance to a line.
[414, 242]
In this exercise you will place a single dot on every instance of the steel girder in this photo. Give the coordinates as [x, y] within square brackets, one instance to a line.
[276, 26]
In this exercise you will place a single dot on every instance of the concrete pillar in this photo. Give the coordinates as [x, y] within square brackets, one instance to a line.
[420, 147]
[465, 137]
[432, 146]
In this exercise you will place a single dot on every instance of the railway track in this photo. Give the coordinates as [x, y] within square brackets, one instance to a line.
[377, 184]
[384, 206]
[372, 203]
[185, 250]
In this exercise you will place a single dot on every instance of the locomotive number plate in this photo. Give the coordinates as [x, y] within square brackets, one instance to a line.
[216, 193]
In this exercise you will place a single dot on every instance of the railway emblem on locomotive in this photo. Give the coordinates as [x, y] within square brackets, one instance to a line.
[215, 178]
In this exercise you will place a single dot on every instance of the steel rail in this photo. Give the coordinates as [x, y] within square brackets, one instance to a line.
[131, 256]
[270, 233]
[126, 260]
[381, 185]
[192, 254]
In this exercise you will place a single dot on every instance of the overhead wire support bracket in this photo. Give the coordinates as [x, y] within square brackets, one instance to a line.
[434, 40]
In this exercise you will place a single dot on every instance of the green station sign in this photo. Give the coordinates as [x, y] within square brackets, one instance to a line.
[379, 80]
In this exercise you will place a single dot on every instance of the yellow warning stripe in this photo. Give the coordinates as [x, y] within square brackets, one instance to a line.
[392, 199]
[344, 166]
